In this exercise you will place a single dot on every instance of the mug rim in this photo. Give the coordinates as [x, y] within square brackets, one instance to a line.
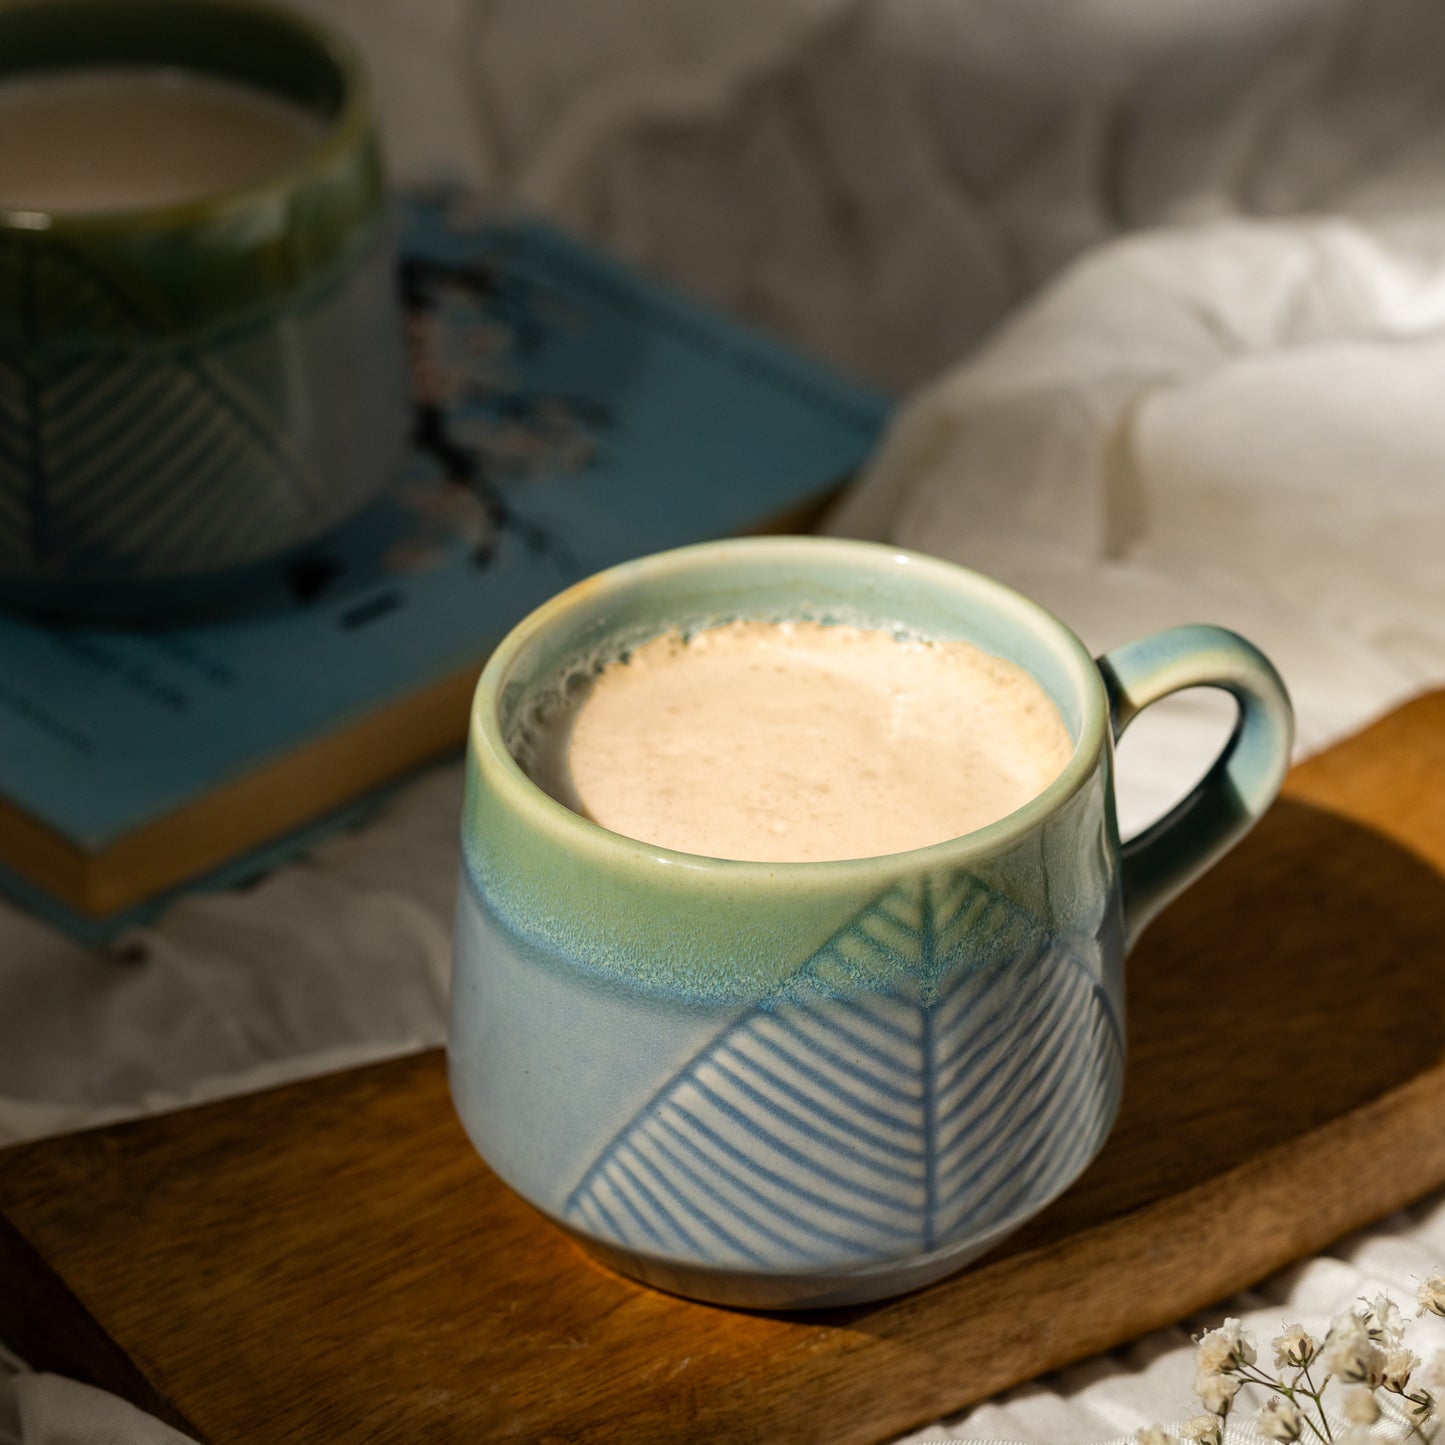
[569, 830]
[340, 133]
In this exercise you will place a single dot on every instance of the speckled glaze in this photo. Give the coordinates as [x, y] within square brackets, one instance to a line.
[808, 1084]
[190, 390]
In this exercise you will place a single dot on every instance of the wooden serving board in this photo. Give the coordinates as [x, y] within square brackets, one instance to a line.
[331, 1262]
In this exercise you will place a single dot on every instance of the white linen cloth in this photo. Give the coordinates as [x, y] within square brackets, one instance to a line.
[1228, 419]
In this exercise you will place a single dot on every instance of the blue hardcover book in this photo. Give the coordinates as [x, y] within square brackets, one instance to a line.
[568, 414]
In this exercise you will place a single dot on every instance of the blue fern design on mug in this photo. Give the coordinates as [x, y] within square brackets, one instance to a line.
[839, 1123]
[136, 452]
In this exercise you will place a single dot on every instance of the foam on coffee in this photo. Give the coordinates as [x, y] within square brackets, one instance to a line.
[798, 742]
[122, 138]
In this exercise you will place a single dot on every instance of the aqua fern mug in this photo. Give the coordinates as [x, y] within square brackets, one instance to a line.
[189, 388]
[795, 1085]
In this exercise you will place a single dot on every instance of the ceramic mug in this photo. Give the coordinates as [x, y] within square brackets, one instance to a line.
[792, 1085]
[191, 390]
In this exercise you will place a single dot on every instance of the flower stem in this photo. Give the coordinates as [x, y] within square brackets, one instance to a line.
[1324, 1425]
[1321, 1431]
[1315, 1395]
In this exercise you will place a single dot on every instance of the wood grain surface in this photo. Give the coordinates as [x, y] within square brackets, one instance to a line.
[330, 1262]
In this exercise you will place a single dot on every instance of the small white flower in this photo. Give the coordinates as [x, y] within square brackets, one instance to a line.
[1360, 1405]
[1216, 1392]
[1154, 1435]
[1278, 1419]
[1383, 1321]
[1350, 1354]
[1294, 1348]
[1398, 1367]
[1224, 1348]
[1201, 1430]
[1431, 1294]
[1355, 1435]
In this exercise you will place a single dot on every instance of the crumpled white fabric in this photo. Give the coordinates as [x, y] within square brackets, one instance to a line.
[911, 170]
[36, 1406]
[1236, 422]
[1229, 419]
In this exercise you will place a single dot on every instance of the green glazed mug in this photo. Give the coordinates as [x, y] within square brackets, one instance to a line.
[791, 1085]
[190, 390]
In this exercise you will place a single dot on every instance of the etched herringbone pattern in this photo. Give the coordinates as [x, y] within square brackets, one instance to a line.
[152, 457]
[132, 452]
[827, 1127]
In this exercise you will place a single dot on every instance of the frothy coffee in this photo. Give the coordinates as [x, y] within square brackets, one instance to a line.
[799, 742]
[123, 138]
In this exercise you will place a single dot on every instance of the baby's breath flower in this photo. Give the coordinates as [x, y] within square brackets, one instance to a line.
[1382, 1320]
[1350, 1353]
[1224, 1349]
[1294, 1348]
[1216, 1392]
[1431, 1294]
[1201, 1430]
[1355, 1435]
[1398, 1366]
[1154, 1435]
[1360, 1405]
[1278, 1419]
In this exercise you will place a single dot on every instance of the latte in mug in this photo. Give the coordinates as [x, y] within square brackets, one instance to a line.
[117, 138]
[798, 742]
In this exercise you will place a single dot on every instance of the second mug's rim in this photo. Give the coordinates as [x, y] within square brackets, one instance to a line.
[572, 830]
[340, 133]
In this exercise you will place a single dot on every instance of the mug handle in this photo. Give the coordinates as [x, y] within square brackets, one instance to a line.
[1168, 855]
